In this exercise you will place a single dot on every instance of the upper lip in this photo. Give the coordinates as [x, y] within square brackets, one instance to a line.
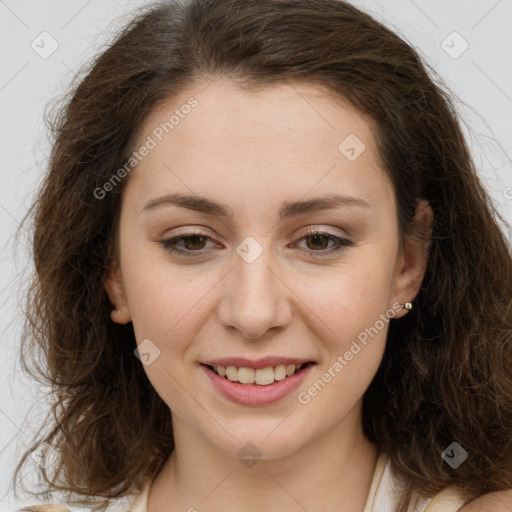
[264, 362]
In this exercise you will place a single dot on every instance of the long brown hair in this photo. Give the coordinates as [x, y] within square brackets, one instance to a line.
[446, 374]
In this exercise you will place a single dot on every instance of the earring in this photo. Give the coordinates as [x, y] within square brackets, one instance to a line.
[406, 305]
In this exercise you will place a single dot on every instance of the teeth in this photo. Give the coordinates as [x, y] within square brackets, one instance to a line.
[262, 376]
[280, 372]
[246, 375]
[232, 373]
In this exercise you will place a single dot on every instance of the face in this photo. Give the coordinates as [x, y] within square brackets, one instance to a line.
[263, 271]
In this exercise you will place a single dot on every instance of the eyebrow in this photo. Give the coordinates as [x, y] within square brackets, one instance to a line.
[288, 209]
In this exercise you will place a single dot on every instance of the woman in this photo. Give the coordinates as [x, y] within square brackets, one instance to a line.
[268, 276]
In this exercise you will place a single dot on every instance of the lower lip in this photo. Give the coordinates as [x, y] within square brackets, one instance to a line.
[254, 394]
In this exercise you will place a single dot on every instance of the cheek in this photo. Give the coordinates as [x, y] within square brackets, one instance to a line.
[168, 308]
[166, 303]
[169, 304]
[352, 320]
[351, 298]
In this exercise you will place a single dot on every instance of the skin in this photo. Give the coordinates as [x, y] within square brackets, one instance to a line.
[496, 501]
[252, 151]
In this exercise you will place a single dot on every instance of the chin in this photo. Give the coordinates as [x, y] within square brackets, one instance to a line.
[261, 440]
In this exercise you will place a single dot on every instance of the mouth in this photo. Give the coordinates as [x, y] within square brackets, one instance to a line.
[258, 377]
[257, 387]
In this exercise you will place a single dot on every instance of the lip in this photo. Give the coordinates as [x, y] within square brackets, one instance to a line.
[254, 394]
[257, 364]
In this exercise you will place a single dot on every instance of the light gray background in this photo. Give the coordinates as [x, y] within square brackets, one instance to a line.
[481, 78]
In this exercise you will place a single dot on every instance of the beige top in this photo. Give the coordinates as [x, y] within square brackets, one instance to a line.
[383, 495]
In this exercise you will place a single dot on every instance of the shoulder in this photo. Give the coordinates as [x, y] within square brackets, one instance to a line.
[44, 508]
[496, 501]
[137, 502]
[134, 502]
[386, 489]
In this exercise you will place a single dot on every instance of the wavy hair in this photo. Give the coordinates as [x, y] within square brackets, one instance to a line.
[446, 374]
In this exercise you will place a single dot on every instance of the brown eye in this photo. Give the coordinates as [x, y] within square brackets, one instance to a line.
[195, 242]
[317, 243]
[188, 244]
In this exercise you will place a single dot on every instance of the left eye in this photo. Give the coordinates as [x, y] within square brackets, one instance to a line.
[194, 243]
[320, 238]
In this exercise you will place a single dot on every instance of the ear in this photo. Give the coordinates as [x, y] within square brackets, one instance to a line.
[413, 258]
[114, 285]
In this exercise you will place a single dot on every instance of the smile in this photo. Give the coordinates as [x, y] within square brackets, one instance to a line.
[260, 377]
[256, 386]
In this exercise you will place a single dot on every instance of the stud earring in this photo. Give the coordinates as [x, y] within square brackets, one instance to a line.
[406, 305]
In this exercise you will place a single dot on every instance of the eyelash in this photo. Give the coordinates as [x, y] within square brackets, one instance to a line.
[343, 243]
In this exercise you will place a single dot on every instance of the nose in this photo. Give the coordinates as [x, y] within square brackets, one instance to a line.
[255, 298]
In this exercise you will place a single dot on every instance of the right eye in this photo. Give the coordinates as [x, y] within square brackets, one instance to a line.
[190, 240]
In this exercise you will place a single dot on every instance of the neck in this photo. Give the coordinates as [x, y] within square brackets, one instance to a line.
[330, 474]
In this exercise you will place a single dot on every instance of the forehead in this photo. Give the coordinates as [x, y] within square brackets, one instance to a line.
[283, 112]
[283, 137]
